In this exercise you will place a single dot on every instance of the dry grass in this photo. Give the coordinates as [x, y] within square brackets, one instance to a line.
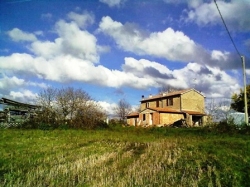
[107, 158]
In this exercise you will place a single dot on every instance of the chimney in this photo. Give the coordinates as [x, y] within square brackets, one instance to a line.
[150, 95]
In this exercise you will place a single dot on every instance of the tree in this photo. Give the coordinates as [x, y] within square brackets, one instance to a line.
[69, 100]
[70, 106]
[165, 88]
[122, 109]
[89, 116]
[46, 99]
[217, 109]
[238, 100]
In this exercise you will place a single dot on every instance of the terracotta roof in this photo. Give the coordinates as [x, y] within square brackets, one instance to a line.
[193, 112]
[179, 92]
[167, 110]
[170, 110]
[133, 114]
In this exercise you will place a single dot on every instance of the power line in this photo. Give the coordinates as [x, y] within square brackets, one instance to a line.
[227, 29]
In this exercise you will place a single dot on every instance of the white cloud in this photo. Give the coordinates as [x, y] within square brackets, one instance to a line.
[191, 3]
[19, 35]
[112, 3]
[77, 42]
[146, 68]
[47, 49]
[71, 41]
[139, 74]
[73, 56]
[67, 68]
[38, 33]
[200, 76]
[207, 79]
[9, 83]
[24, 95]
[168, 44]
[82, 20]
[108, 107]
[47, 16]
[234, 12]
[220, 56]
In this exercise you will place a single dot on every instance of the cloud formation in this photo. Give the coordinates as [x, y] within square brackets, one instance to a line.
[71, 41]
[74, 55]
[82, 20]
[235, 14]
[18, 35]
[112, 3]
[169, 44]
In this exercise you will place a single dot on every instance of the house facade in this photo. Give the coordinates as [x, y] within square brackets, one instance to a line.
[166, 108]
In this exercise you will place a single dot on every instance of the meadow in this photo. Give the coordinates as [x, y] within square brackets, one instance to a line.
[123, 157]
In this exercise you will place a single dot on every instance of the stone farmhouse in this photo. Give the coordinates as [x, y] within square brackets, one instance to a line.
[166, 108]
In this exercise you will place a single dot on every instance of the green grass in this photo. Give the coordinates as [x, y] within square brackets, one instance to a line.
[123, 157]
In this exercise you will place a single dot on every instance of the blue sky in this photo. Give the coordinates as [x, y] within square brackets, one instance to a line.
[116, 49]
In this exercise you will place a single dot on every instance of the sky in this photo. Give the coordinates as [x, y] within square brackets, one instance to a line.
[122, 49]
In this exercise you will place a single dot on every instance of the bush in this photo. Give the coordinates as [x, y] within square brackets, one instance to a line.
[225, 126]
[245, 129]
[101, 125]
[30, 124]
[230, 127]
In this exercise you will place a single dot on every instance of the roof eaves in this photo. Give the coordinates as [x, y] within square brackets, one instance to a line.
[133, 114]
[180, 92]
[194, 112]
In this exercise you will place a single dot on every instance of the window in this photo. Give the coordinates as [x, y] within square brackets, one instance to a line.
[157, 103]
[144, 117]
[147, 104]
[170, 102]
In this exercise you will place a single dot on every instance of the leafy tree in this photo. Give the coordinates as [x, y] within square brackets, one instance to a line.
[238, 100]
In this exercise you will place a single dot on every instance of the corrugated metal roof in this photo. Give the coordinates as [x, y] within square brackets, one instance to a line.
[16, 103]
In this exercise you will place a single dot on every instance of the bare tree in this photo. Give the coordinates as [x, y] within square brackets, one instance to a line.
[69, 100]
[218, 108]
[71, 106]
[89, 115]
[166, 88]
[122, 109]
[46, 99]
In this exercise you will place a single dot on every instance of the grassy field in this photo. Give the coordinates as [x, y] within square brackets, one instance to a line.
[123, 157]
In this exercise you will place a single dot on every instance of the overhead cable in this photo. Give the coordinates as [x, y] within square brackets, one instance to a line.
[227, 29]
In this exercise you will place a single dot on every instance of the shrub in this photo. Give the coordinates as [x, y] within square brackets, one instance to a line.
[229, 127]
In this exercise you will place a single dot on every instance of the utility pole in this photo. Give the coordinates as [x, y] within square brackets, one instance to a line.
[245, 89]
